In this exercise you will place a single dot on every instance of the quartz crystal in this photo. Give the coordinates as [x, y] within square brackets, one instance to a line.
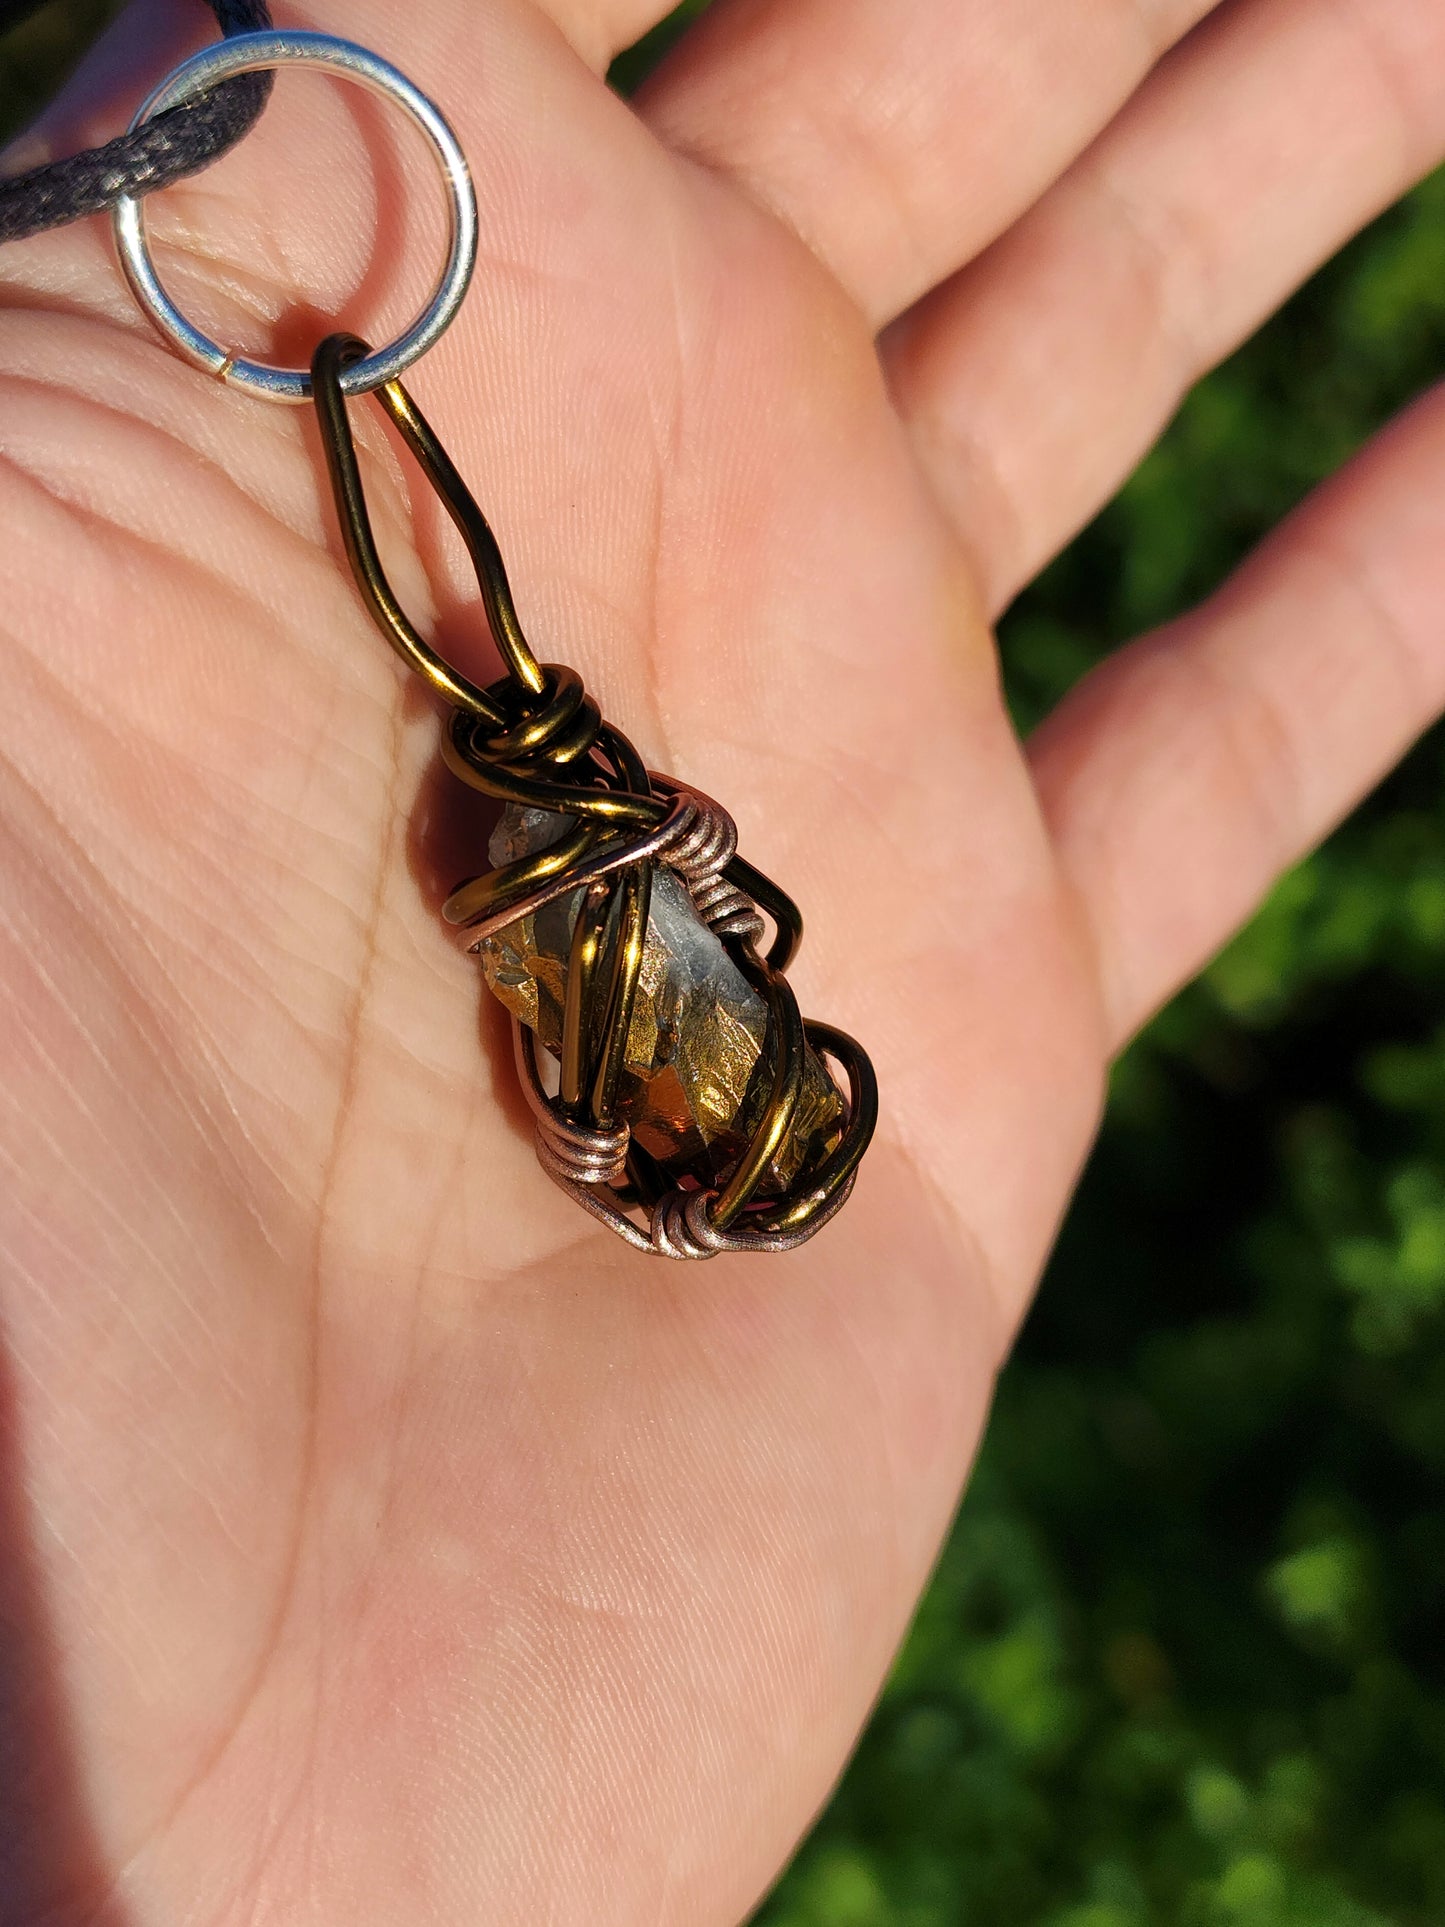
[697, 1069]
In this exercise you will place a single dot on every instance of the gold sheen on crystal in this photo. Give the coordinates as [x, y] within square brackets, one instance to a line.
[697, 1067]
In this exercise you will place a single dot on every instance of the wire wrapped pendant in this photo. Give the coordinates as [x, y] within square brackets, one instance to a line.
[679, 1095]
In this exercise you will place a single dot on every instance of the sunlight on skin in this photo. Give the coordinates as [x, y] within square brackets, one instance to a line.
[402, 1546]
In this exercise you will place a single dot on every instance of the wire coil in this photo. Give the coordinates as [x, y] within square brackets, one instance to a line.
[537, 740]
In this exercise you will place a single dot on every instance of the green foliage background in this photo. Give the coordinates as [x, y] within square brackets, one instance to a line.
[1182, 1658]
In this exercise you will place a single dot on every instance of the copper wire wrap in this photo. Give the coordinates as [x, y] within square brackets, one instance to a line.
[535, 738]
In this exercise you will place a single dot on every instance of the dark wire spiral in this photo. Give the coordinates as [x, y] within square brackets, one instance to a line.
[535, 738]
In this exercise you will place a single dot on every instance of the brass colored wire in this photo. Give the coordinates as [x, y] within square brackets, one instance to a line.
[786, 1025]
[535, 738]
[627, 969]
[582, 970]
[480, 897]
[841, 1165]
[361, 551]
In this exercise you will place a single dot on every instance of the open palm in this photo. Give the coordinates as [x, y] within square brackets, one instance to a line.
[381, 1540]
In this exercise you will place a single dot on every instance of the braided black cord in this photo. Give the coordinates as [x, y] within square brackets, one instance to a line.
[166, 149]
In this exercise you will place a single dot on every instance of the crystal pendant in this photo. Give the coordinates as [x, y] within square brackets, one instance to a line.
[697, 1069]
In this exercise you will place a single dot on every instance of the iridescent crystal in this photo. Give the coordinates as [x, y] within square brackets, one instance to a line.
[697, 1069]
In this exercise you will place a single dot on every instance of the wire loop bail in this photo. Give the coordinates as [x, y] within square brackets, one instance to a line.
[258, 52]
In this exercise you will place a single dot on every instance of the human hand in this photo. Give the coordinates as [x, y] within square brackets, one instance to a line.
[380, 1541]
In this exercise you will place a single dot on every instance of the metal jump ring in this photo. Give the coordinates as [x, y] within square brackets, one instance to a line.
[250, 53]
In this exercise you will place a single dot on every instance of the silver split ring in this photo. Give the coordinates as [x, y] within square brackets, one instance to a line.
[251, 53]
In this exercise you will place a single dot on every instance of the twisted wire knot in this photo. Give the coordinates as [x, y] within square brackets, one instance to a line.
[681, 1227]
[545, 730]
[705, 840]
[707, 843]
[579, 1153]
[725, 910]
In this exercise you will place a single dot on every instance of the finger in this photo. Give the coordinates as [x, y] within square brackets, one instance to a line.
[1187, 772]
[899, 139]
[1036, 378]
[597, 29]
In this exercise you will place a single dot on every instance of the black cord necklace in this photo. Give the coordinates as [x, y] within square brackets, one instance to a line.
[166, 149]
